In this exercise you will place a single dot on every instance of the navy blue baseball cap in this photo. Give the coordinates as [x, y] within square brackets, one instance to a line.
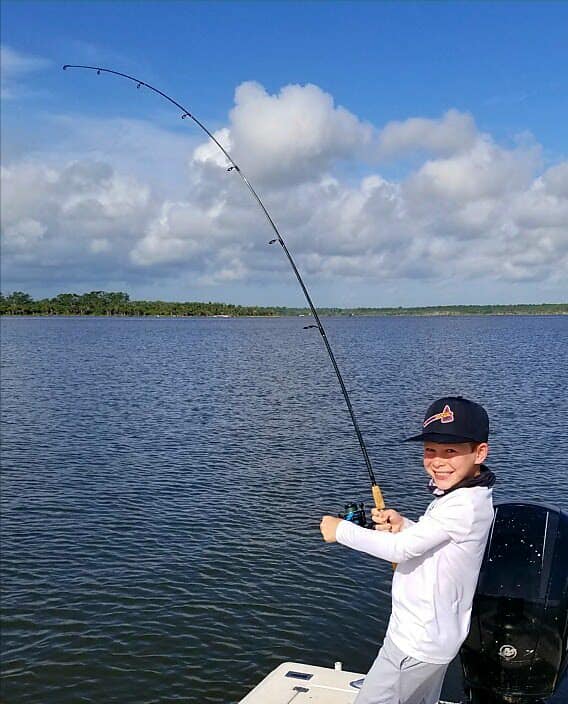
[454, 419]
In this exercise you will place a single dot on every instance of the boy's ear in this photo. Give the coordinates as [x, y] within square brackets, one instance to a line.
[481, 452]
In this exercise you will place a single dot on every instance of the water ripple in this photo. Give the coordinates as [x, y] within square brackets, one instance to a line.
[163, 482]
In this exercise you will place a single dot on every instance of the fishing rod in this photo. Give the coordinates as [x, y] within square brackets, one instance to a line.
[185, 113]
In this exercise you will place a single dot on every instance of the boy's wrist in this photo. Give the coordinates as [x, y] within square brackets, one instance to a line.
[341, 527]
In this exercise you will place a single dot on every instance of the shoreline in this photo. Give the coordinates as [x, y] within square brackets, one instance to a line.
[377, 314]
[119, 304]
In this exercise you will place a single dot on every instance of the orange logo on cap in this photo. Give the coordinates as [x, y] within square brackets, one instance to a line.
[446, 416]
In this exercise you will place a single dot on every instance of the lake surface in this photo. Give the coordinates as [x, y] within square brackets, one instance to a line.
[163, 481]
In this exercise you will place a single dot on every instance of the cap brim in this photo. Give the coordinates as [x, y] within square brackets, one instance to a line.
[439, 437]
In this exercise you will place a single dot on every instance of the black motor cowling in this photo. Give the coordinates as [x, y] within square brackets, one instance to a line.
[516, 648]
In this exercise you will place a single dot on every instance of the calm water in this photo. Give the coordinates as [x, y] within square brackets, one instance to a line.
[163, 482]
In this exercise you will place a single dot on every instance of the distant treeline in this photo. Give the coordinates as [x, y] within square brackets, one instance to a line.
[118, 303]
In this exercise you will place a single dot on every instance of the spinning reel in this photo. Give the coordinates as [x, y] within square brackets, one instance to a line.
[355, 513]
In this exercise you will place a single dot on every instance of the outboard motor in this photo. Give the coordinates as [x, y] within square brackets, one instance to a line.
[516, 649]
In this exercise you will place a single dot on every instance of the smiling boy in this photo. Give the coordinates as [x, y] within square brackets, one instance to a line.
[438, 557]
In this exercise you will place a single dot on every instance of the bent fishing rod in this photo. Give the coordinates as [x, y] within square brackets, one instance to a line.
[185, 113]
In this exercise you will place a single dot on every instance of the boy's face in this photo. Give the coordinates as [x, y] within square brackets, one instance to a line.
[449, 464]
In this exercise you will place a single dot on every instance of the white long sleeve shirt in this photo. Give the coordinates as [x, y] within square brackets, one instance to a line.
[438, 560]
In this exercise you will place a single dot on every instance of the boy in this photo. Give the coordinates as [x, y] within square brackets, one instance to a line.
[438, 557]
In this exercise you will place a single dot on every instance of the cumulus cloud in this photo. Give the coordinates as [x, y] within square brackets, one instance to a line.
[294, 135]
[60, 218]
[555, 180]
[179, 232]
[485, 170]
[486, 210]
[470, 210]
[453, 132]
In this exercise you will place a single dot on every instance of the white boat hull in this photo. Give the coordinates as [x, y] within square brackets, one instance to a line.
[296, 683]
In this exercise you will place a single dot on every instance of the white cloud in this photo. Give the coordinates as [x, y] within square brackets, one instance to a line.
[209, 152]
[453, 132]
[485, 170]
[60, 216]
[178, 233]
[556, 180]
[472, 211]
[290, 137]
[14, 67]
[139, 148]
[23, 235]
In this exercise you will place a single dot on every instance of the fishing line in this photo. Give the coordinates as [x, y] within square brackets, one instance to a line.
[185, 113]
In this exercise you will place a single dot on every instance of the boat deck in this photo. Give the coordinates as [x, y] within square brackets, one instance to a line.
[297, 683]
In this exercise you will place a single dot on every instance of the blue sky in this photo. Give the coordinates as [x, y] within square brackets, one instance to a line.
[412, 153]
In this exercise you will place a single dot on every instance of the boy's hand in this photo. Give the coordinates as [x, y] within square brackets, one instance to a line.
[387, 519]
[328, 527]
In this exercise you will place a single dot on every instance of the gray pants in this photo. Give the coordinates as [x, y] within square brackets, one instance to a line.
[396, 678]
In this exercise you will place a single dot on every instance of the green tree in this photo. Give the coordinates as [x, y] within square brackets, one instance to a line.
[20, 303]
